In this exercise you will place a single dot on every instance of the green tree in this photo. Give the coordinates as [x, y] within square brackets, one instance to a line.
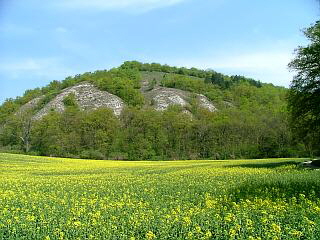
[144, 138]
[304, 96]
[47, 134]
[98, 131]
[6, 109]
[18, 130]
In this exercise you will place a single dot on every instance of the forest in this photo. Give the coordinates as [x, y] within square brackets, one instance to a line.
[252, 120]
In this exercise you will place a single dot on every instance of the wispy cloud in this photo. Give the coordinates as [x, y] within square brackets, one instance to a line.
[125, 5]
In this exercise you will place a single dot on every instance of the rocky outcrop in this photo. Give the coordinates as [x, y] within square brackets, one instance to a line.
[205, 103]
[88, 97]
[30, 105]
[161, 98]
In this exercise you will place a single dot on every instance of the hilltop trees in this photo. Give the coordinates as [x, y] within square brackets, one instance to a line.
[211, 76]
[304, 95]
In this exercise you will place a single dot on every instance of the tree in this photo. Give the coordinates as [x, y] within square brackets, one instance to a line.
[46, 134]
[6, 109]
[98, 131]
[144, 138]
[304, 95]
[18, 130]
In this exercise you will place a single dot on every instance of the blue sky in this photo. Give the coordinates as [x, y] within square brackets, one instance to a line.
[41, 41]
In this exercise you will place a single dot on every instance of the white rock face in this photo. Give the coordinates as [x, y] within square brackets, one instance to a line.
[87, 96]
[30, 105]
[167, 97]
[205, 103]
[162, 98]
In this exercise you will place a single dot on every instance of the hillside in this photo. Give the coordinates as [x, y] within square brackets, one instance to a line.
[150, 111]
[89, 97]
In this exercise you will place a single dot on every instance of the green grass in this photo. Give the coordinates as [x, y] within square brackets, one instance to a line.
[51, 198]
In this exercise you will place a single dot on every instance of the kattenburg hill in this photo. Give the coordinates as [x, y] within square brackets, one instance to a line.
[150, 111]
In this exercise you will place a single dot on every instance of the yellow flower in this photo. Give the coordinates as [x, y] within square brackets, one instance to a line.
[317, 209]
[296, 233]
[190, 235]
[150, 235]
[232, 232]
[30, 218]
[252, 238]
[187, 220]
[249, 222]
[229, 217]
[208, 234]
[77, 223]
[198, 229]
[61, 235]
[308, 221]
[276, 228]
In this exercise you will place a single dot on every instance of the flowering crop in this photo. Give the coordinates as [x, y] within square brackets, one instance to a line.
[51, 198]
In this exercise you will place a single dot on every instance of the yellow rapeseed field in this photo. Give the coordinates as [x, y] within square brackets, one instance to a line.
[51, 198]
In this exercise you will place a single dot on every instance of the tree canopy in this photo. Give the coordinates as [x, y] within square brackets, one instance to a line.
[304, 95]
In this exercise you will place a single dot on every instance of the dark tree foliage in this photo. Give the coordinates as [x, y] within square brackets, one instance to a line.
[241, 79]
[209, 75]
[304, 95]
[192, 84]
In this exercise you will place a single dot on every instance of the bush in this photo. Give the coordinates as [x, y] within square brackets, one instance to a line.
[70, 100]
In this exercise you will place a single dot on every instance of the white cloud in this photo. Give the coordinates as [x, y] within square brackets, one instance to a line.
[135, 5]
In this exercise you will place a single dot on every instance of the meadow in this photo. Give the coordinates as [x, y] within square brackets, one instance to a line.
[53, 198]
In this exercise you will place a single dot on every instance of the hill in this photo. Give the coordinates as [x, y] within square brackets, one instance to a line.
[150, 111]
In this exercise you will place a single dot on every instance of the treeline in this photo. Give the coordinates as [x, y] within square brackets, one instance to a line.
[255, 127]
[146, 134]
[210, 76]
